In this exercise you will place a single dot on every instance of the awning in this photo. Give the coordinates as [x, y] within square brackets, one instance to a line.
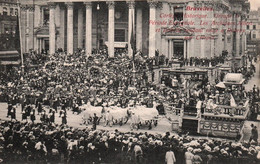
[9, 58]
[234, 79]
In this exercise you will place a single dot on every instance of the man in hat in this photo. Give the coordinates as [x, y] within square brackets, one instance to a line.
[95, 121]
[254, 133]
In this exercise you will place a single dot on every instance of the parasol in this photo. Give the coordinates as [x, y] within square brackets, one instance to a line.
[221, 85]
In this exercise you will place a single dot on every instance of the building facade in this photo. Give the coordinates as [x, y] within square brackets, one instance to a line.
[8, 21]
[253, 28]
[253, 33]
[174, 28]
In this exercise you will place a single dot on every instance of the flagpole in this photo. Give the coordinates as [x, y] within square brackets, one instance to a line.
[20, 35]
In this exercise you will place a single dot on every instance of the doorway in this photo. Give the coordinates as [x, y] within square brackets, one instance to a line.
[178, 49]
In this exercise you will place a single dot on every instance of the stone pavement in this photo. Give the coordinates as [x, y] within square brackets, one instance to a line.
[75, 121]
[256, 78]
[254, 81]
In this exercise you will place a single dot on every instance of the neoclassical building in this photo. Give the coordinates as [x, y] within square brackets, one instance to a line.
[176, 28]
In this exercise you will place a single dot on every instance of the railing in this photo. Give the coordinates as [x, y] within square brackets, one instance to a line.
[172, 108]
[227, 111]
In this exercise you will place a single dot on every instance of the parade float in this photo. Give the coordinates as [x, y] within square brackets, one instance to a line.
[226, 115]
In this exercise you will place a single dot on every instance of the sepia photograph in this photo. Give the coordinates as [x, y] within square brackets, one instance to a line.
[129, 81]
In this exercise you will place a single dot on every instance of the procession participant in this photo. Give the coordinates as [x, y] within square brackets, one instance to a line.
[24, 115]
[64, 118]
[254, 133]
[170, 157]
[133, 121]
[13, 113]
[108, 119]
[39, 108]
[9, 108]
[95, 121]
[189, 156]
[32, 115]
[52, 116]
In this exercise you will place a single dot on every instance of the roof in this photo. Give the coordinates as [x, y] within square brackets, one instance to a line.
[234, 79]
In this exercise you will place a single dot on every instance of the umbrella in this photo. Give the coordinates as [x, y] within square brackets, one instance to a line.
[221, 85]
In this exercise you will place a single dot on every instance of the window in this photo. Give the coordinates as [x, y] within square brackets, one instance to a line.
[254, 36]
[119, 35]
[178, 13]
[16, 12]
[4, 11]
[46, 16]
[248, 27]
[254, 27]
[11, 11]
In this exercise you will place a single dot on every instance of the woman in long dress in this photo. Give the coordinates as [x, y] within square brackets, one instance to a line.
[189, 156]
[170, 157]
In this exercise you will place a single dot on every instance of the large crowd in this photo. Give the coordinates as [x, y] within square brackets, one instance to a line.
[52, 143]
[64, 82]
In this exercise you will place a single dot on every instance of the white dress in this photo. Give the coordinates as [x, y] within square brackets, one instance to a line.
[188, 157]
[170, 157]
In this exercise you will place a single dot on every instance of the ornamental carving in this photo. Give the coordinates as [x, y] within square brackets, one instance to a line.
[152, 4]
[69, 5]
[111, 4]
[27, 7]
[88, 5]
[131, 4]
[51, 5]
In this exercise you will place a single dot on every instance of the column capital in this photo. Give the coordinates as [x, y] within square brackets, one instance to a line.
[88, 5]
[131, 4]
[69, 5]
[111, 4]
[23, 7]
[152, 3]
[27, 7]
[51, 5]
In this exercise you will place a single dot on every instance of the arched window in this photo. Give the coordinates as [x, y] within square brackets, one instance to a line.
[11, 11]
[4, 11]
[16, 12]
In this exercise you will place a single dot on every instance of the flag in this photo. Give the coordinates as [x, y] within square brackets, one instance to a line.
[232, 101]
[17, 36]
[132, 39]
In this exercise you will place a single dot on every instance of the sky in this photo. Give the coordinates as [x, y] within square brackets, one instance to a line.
[254, 4]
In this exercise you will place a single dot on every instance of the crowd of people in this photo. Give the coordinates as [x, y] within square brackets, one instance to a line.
[52, 143]
[64, 82]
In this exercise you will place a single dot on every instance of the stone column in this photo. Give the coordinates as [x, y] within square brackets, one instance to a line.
[185, 49]
[69, 28]
[170, 49]
[62, 28]
[52, 31]
[111, 28]
[164, 44]
[42, 16]
[188, 48]
[80, 27]
[139, 29]
[131, 11]
[57, 24]
[237, 35]
[88, 28]
[27, 30]
[152, 28]
[37, 16]
[212, 47]
[225, 40]
[192, 47]
[243, 36]
[203, 45]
